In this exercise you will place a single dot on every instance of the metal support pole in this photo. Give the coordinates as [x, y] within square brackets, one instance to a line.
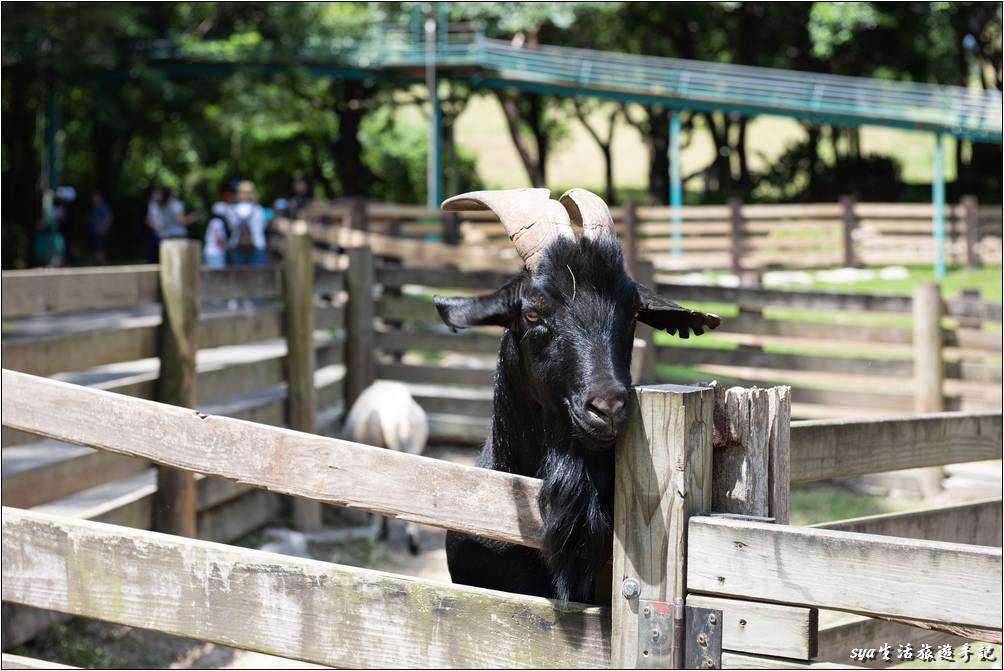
[434, 185]
[675, 183]
[938, 198]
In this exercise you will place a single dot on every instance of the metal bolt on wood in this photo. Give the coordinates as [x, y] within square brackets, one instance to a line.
[630, 588]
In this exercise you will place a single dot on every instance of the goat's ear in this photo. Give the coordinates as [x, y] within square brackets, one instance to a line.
[494, 309]
[667, 316]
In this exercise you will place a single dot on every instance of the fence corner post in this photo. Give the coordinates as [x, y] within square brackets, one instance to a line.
[360, 368]
[752, 452]
[970, 211]
[663, 477]
[175, 509]
[736, 233]
[850, 219]
[928, 367]
[301, 396]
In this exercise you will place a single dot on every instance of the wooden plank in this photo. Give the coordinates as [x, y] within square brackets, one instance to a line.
[837, 642]
[301, 395]
[46, 291]
[297, 608]
[403, 341]
[824, 449]
[240, 283]
[216, 384]
[945, 583]
[237, 518]
[264, 322]
[816, 300]
[443, 278]
[79, 350]
[764, 628]
[35, 474]
[793, 211]
[19, 662]
[176, 504]
[407, 310]
[663, 476]
[862, 333]
[735, 660]
[418, 489]
[435, 374]
[753, 357]
[977, 523]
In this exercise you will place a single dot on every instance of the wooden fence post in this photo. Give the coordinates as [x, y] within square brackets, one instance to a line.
[360, 369]
[630, 243]
[928, 368]
[850, 223]
[301, 396]
[971, 213]
[663, 476]
[176, 503]
[736, 234]
[645, 274]
[752, 455]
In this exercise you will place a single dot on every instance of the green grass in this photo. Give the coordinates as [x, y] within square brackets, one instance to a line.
[813, 503]
[576, 160]
[987, 280]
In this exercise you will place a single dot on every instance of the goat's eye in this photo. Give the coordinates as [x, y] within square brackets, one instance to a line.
[531, 316]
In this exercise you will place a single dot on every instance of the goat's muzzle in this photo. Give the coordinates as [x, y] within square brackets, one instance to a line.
[599, 415]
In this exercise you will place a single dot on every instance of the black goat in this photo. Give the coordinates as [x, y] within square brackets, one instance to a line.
[561, 385]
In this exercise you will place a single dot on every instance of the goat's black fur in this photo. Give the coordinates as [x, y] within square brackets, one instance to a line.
[569, 329]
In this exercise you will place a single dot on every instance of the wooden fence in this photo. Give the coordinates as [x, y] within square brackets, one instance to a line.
[760, 582]
[704, 237]
[843, 354]
[276, 358]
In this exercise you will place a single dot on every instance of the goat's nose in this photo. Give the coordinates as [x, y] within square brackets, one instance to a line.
[605, 406]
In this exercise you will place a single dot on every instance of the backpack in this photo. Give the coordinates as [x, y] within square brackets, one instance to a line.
[245, 240]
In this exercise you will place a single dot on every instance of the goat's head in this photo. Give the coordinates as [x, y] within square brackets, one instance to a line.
[572, 311]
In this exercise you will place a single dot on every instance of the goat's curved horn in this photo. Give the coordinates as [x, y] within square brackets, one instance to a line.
[530, 217]
[589, 211]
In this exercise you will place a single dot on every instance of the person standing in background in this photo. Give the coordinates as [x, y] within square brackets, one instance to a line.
[99, 221]
[217, 241]
[302, 196]
[247, 234]
[176, 220]
[154, 223]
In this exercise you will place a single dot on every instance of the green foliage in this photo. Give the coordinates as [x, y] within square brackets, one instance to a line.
[130, 118]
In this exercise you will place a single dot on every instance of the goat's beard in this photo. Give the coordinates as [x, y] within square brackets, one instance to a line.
[576, 503]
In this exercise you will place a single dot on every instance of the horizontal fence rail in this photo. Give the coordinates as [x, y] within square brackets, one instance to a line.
[414, 488]
[824, 449]
[298, 608]
[927, 581]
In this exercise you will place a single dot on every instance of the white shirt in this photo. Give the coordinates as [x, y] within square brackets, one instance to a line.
[254, 215]
[216, 238]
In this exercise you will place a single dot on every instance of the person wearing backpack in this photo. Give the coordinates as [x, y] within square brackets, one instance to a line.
[247, 228]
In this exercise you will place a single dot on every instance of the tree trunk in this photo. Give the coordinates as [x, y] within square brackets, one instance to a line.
[658, 149]
[532, 160]
[355, 178]
[22, 206]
